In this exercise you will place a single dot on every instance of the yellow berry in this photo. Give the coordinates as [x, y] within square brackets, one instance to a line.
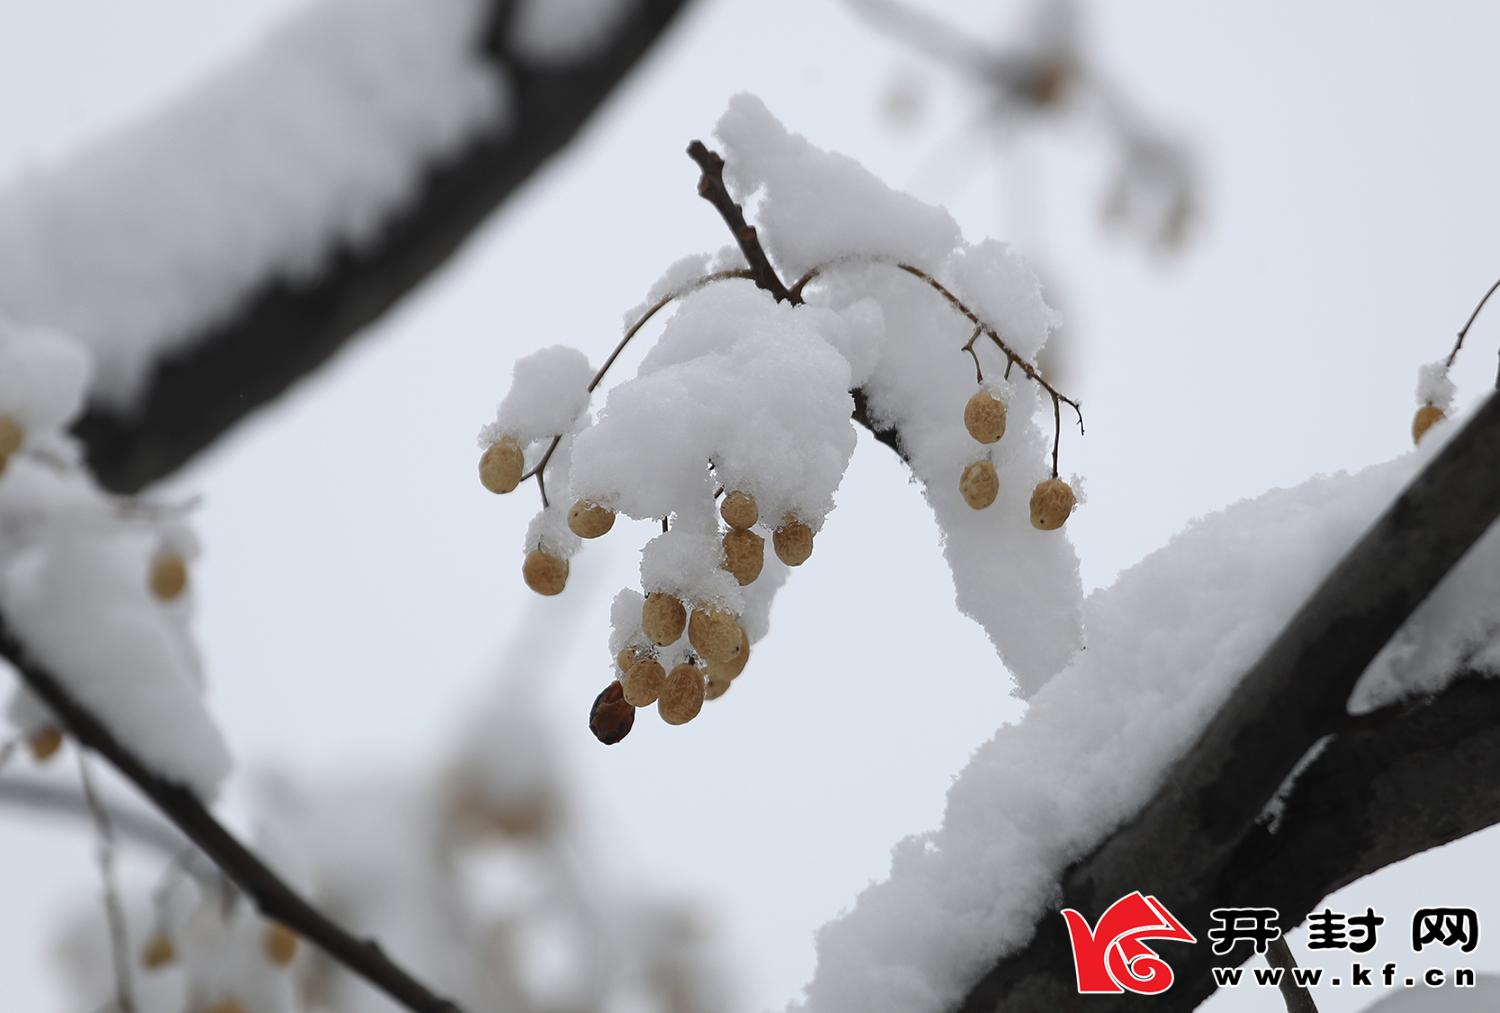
[610, 717]
[1051, 503]
[12, 434]
[279, 944]
[663, 618]
[793, 542]
[716, 688]
[545, 573]
[739, 510]
[44, 743]
[730, 670]
[979, 484]
[169, 575]
[501, 466]
[744, 554]
[682, 695]
[984, 417]
[589, 520]
[158, 952]
[1427, 417]
[643, 683]
[715, 634]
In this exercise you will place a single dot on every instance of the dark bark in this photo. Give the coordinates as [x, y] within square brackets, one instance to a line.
[288, 330]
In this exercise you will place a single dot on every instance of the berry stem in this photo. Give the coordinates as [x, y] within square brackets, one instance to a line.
[539, 471]
[969, 347]
[1463, 331]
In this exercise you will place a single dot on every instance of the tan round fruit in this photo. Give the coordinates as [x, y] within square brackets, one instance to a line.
[1427, 416]
[158, 952]
[1051, 503]
[730, 670]
[12, 435]
[643, 683]
[44, 743]
[793, 542]
[979, 484]
[716, 688]
[588, 520]
[501, 465]
[279, 944]
[610, 717]
[984, 417]
[715, 634]
[545, 573]
[629, 656]
[169, 576]
[663, 618]
[739, 510]
[682, 695]
[744, 554]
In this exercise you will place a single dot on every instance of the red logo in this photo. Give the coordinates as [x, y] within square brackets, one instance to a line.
[1112, 957]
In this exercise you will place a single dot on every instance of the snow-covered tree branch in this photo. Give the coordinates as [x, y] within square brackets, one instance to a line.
[215, 253]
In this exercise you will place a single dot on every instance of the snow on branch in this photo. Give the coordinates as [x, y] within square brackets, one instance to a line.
[753, 392]
[214, 253]
[276, 899]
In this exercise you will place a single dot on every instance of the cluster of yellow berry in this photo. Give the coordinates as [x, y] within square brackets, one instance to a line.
[1052, 501]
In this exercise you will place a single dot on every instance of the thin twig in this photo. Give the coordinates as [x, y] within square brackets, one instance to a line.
[712, 189]
[540, 470]
[274, 897]
[1298, 998]
[1463, 331]
[114, 912]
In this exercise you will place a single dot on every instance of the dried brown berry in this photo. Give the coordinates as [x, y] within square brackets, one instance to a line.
[744, 555]
[979, 484]
[663, 618]
[611, 718]
[12, 435]
[739, 510]
[226, 1006]
[629, 656]
[984, 417]
[1051, 503]
[44, 743]
[588, 520]
[793, 542]
[716, 688]
[682, 695]
[545, 573]
[501, 465]
[158, 952]
[279, 944]
[643, 683]
[715, 634]
[729, 670]
[1427, 416]
[169, 575]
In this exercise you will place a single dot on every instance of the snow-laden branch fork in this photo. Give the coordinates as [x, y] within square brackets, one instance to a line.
[1383, 786]
[274, 897]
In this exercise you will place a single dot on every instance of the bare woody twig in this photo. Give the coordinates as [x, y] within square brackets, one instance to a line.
[275, 899]
[119, 932]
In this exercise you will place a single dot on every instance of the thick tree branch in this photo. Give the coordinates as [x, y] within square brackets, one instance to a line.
[288, 330]
[1181, 845]
[275, 899]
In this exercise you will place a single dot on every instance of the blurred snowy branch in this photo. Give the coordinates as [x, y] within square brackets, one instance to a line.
[211, 255]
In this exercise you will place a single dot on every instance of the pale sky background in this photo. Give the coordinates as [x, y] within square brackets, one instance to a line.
[358, 586]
